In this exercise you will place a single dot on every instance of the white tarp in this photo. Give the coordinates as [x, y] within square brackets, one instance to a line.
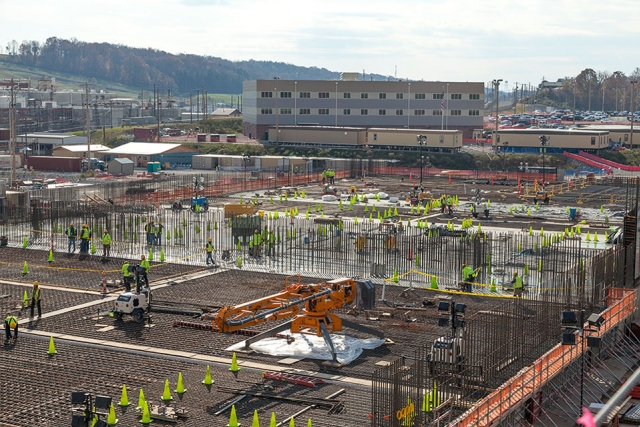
[313, 347]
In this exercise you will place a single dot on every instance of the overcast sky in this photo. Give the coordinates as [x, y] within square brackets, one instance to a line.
[455, 40]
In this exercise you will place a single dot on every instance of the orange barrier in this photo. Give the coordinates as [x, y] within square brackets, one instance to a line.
[521, 387]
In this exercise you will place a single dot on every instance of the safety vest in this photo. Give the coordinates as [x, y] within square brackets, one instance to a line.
[209, 247]
[125, 269]
[467, 273]
[159, 229]
[36, 295]
[12, 321]
[106, 239]
[86, 234]
[145, 264]
[518, 283]
[72, 232]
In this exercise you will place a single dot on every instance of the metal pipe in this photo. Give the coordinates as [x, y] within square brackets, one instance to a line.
[617, 398]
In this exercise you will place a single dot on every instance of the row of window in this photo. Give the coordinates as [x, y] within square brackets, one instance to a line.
[365, 95]
[365, 112]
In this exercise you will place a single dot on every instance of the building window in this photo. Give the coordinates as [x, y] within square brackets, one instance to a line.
[375, 136]
[305, 111]
[399, 95]
[456, 112]
[436, 113]
[285, 111]
[382, 112]
[346, 95]
[474, 96]
[420, 96]
[305, 94]
[418, 112]
[364, 112]
[285, 94]
[323, 111]
[266, 95]
[593, 140]
[266, 111]
[382, 95]
[323, 95]
[364, 95]
[456, 96]
[474, 112]
[399, 112]
[346, 112]
[438, 95]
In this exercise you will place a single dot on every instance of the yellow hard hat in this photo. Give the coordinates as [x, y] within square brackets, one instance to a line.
[13, 324]
[36, 284]
[142, 257]
[464, 265]
[515, 273]
[209, 239]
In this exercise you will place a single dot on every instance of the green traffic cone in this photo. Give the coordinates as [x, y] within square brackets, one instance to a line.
[207, 377]
[25, 299]
[434, 282]
[24, 242]
[166, 395]
[239, 262]
[111, 418]
[292, 423]
[234, 363]
[256, 421]
[52, 347]
[146, 416]
[50, 259]
[124, 397]
[25, 269]
[180, 387]
[493, 285]
[162, 255]
[309, 424]
[141, 399]
[233, 419]
[93, 248]
[395, 275]
[272, 423]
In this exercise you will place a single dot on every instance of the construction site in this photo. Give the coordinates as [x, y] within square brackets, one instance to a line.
[328, 304]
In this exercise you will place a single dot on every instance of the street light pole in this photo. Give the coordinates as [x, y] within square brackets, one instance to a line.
[544, 142]
[496, 83]
[633, 82]
[422, 141]
[504, 153]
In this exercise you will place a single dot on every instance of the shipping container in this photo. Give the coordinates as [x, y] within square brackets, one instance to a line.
[5, 134]
[5, 161]
[57, 164]
[202, 137]
[144, 134]
[215, 137]
[231, 138]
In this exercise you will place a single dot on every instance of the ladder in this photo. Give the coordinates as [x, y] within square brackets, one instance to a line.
[303, 380]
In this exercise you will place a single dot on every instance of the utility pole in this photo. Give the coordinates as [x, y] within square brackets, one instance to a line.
[191, 107]
[12, 132]
[158, 112]
[633, 82]
[88, 120]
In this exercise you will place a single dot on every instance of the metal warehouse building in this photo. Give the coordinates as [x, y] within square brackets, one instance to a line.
[528, 140]
[141, 153]
[358, 103]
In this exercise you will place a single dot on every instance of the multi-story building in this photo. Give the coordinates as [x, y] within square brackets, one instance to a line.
[358, 103]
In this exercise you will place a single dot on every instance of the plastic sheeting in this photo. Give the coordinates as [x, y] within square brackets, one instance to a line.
[347, 348]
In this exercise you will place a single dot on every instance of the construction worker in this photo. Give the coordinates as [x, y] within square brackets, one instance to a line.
[331, 175]
[517, 285]
[209, 250]
[150, 230]
[35, 298]
[106, 243]
[126, 276]
[11, 322]
[324, 177]
[257, 241]
[71, 233]
[468, 275]
[85, 237]
[159, 229]
[145, 270]
[450, 205]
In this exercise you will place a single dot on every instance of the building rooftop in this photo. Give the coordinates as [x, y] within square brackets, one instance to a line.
[145, 148]
[80, 148]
